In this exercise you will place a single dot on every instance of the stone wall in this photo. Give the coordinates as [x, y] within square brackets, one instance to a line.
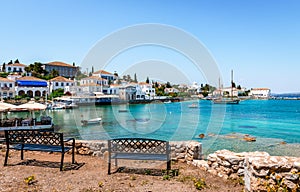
[258, 170]
[180, 150]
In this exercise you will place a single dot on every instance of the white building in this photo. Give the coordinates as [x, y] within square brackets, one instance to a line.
[31, 86]
[105, 75]
[260, 93]
[15, 67]
[7, 88]
[148, 90]
[94, 79]
[60, 83]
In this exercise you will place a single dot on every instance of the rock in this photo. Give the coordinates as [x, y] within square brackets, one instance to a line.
[212, 157]
[261, 173]
[291, 176]
[201, 163]
[201, 136]
[240, 172]
[249, 138]
[289, 184]
[297, 165]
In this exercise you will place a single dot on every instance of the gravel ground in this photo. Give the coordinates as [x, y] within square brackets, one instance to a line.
[39, 171]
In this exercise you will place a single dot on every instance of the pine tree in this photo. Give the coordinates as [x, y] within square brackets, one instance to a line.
[135, 78]
[147, 80]
[17, 61]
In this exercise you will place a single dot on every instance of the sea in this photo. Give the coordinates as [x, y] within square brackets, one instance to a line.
[275, 124]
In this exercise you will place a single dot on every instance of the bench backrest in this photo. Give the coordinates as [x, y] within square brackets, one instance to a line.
[30, 136]
[138, 145]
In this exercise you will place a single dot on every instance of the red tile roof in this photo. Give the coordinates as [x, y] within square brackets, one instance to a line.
[58, 63]
[17, 64]
[61, 79]
[30, 78]
[5, 79]
[102, 72]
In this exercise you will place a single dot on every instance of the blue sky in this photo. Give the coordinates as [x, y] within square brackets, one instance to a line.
[258, 39]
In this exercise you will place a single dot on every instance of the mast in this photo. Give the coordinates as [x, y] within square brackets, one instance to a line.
[231, 84]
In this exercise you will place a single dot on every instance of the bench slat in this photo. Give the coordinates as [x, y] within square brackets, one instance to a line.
[37, 147]
[140, 156]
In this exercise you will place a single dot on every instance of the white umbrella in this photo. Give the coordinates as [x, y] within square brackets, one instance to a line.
[6, 106]
[32, 106]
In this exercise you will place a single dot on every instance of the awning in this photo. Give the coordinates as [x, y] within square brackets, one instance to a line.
[32, 83]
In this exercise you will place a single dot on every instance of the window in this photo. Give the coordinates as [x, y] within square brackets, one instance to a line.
[67, 84]
[56, 84]
[9, 68]
[61, 84]
[10, 85]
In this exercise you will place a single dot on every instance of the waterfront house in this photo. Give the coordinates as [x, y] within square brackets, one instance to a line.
[31, 86]
[105, 75]
[94, 79]
[171, 90]
[7, 88]
[260, 93]
[59, 83]
[148, 90]
[15, 68]
[64, 69]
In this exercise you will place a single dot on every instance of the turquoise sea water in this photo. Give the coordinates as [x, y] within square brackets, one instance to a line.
[270, 121]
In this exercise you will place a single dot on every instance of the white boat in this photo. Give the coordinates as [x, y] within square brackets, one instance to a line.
[58, 106]
[91, 121]
[167, 101]
[193, 105]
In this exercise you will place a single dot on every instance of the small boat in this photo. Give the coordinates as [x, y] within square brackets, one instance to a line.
[91, 121]
[193, 105]
[226, 101]
[123, 110]
[167, 101]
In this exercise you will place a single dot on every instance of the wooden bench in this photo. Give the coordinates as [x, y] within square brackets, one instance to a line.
[138, 149]
[37, 140]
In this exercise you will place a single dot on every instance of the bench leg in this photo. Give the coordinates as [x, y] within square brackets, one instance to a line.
[109, 164]
[22, 154]
[116, 162]
[62, 161]
[169, 165]
[73, 153]
[6, 157]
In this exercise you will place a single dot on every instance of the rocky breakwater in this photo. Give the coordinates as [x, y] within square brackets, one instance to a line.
[258, 170]
[272, 173]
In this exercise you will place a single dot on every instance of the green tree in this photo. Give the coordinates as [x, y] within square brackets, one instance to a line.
[54, 73]
[239, 87]
[135, 78]
[147, 80]
[17, 61]
[168, 85]
[92, 69]
[3, 67]
[10, 62]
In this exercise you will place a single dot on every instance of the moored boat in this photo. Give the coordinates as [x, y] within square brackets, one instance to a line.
[91, 121]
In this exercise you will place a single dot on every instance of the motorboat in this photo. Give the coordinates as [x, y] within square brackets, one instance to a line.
[91, 121]
[166, 102]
